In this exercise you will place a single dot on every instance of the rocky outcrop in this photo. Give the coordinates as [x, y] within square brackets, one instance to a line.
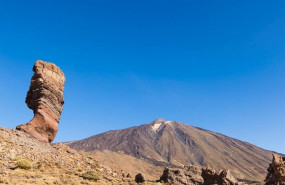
[188, 176]
[276, 171]
[224, 177]
[195, 175]
[45, 98]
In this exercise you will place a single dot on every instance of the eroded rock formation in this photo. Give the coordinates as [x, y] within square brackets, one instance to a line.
[195, 175]
[45, 98]
[224, 177]
[276, 171]
[187, 176]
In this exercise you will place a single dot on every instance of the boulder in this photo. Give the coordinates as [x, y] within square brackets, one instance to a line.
[45, 98]
[140, 178]
[276, 171]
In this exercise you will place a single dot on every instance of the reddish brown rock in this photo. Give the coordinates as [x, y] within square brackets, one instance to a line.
[45, 98]
[190, 175]
[276, 171]
[224, 177]
[196, 175]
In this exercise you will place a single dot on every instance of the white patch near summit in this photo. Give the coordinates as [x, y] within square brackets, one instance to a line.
[169, 123]
[156, 126]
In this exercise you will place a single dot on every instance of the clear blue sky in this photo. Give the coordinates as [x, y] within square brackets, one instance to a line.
[219, 65]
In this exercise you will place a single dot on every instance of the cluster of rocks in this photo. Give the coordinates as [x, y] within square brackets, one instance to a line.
[195, 175]
[45, 98]
[276, 171]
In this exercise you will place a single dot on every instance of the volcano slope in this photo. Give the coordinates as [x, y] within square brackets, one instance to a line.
[174, 144]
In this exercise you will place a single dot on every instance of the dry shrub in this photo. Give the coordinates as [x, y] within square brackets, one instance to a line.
[24, 164]
[90, 175]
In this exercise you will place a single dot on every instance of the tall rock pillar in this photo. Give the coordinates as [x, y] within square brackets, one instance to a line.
[45, 98]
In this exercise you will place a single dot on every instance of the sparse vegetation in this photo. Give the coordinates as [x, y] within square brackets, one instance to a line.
[90, 175]
[24, 160]
[79, 170]
[24, 164]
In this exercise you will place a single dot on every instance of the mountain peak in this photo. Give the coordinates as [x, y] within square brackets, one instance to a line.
[158, 120]
[171, 143]
[159, 123]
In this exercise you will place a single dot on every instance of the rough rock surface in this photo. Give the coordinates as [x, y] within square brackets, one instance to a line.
[189, 175]
[224, 177]
[276, 171]
[49, 164]
[195, 175]
[45, 98]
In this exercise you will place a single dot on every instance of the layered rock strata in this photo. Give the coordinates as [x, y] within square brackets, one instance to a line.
[45, 98]
[276, 171]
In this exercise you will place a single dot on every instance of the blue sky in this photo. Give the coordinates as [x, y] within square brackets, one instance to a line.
[218, 65]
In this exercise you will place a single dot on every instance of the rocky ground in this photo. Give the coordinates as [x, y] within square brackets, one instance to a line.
[25, 160]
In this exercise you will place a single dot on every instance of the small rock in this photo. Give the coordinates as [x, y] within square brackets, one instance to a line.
[140, 178]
